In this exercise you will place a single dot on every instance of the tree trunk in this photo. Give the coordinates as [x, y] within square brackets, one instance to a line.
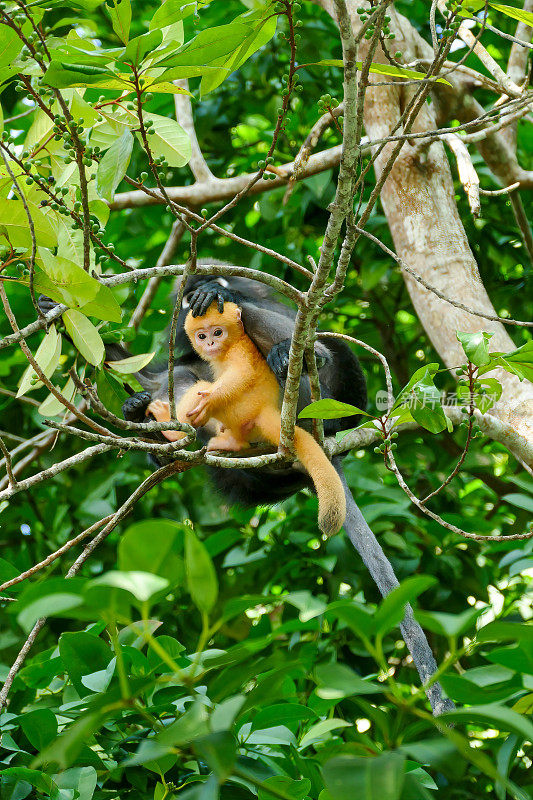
[419, 202]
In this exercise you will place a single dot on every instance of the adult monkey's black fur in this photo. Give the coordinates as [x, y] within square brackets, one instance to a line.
[270, 324]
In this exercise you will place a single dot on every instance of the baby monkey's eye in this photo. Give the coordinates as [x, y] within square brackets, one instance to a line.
[201, 335]
[218, 332]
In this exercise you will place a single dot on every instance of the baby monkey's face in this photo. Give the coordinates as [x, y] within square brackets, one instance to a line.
[211, 341]
[213, 333]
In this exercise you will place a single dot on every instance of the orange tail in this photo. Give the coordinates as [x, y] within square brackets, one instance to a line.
[328, 486]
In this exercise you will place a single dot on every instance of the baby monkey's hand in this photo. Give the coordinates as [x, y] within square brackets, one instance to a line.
[200, 414]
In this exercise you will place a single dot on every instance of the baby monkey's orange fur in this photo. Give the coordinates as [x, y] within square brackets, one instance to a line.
[244, 400]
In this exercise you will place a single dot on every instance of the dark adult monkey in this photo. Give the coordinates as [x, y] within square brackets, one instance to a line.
[269, 323]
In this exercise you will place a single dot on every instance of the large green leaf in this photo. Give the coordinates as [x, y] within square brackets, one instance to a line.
[515, 13]
[113, 165]
[51, 406]
[209, 45]
[10, 45]
[169, 140]
[391, 610]
[85, 336]
[493, 716]
[82, 654]
[139, 47]
[14, 220]
[66, 282]
[111, 392]
[47, 357]
[120, 13]
[126, 366]
[336, 681]
[329, 409]
[201, 576]
[257, 38]
[476, 346]
[60, 75]
[139, 584]
[172, 11]
[40, 726]
[373, 778]
[154, 545]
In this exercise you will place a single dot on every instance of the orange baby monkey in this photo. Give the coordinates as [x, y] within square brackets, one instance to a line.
[245, 400]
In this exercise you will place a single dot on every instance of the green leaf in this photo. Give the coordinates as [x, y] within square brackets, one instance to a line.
[520, 501]
[320, 731]
[524, 705]
[293, 789]
[113, 166]
[85, 336]
[495, 716]
[140, 585]
[126, 366]
[154, 546]
[336, 681]
[208, 46]
[13, 218]
[39, 726]
[67, 747]
[13, 777]
[462, 690]
[50, 603]
[111, 392]
[120, 13]
[515, 13]
[496, 631]
[257, 38]
[201, 576]
[287, 714]
[82, 654]
[391, 610]
[379, 778]
[219, 752]
[10, 45]
[423, 400]
[169, 140]
[69, 282]
[104, 306]
[329, 409]
[190, 726]
[307, 604]
[61, 76]
[47, 357]
[172, 11]
[379, 69]
[80, 779]
[357, 617]
[51, 406]
[139, 47]
[449, 625]
[493, 391]
[476, 346]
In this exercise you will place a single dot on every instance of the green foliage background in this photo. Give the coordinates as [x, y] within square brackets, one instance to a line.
[273, 670]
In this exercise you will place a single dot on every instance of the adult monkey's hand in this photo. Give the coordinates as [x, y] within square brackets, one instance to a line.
[208, 293]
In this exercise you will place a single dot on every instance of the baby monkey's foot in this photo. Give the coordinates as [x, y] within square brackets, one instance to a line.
[226, 441]
[160, 410]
